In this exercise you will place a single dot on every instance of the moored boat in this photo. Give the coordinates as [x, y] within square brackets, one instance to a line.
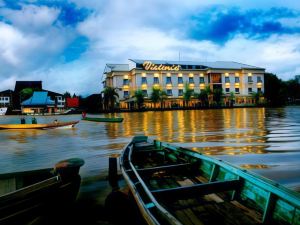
[174, 185]
[53, 125]
[3, 111]
[28, 195]
[104, 119]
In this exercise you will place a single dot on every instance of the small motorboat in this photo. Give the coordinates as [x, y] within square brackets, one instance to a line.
[40, 126]
[104, 119]
[174, 185]
[28, 195]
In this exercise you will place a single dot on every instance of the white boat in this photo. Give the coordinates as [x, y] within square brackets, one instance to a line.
[3, 111]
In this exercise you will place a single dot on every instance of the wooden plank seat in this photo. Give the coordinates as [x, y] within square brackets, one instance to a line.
[164, 167]
[197, 189]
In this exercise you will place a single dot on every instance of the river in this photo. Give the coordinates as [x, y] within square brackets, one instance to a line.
[266, 141]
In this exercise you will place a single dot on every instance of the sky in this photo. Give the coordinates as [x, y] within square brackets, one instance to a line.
[66, 43]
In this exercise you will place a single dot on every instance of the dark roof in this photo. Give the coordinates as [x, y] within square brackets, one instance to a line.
[7, 92]
[51, 93]
[20, 85]
[38, 98]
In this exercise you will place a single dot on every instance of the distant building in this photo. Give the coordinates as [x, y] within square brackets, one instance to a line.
[39, 103]
[6, 98]
[171, 76]
[19, 86]
[72, 102]
[297, 77]
[59, 100]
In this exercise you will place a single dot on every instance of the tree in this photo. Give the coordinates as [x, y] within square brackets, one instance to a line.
[203, 96]
[231, 99]
[67, 94]
[275, 90]
[155, 95]
[187, 94]
[25, 93]
[162, 95]
[218, 93]
[139, 98]
[110, 97]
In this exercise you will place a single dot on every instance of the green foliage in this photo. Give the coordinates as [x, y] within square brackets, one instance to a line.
[26, 93]
[275, 90]
[155, 95]
[218, 93]
[139, 98]
[187, 94]
[67, 94]
[203, 96]
[110, 97]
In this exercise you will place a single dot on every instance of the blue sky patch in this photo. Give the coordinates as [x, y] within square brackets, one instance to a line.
[75, 49]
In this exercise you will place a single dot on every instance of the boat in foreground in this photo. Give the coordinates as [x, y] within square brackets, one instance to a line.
[104, 119]
[40, 126]
[174, 185]
[28, 195]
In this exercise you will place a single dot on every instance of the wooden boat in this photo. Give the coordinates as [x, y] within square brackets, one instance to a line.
[104, 119]
[173, 185]
[40, 126]
[27, 195]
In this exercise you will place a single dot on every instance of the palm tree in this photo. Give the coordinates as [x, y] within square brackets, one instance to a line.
[155, 95]
[139, 98]
[231, 98]
[203, 96]
[110, 97]
[187, 94]
[218, 93]
[163, 95]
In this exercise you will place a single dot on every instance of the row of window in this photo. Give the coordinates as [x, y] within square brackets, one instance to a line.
[190, 80]
[180, 92]
[4, 99]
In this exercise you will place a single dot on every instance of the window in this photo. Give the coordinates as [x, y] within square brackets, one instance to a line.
[169, 92]
[250, 80]
[259, 80]
[144, 80]
[201, 80]
[237, 80]
[180, 92]
[169, 81]
[156, 80]
[145, 93]
[180, 80]
[126, 94]
[249, 90]
[227, 90]
[237, 90]
[227, 80]
[191, 80]
[125, 82]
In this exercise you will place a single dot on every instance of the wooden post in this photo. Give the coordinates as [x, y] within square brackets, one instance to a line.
[113, 173]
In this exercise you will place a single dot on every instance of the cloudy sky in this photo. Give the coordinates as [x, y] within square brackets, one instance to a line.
[66, 44]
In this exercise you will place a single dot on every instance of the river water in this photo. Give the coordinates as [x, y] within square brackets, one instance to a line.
[266, 141]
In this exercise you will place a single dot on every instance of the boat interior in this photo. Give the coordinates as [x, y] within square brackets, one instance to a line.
[196, 191]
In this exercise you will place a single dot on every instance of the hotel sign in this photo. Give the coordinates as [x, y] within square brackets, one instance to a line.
[148, 65]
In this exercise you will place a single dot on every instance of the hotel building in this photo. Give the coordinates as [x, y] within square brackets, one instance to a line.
[172, 76]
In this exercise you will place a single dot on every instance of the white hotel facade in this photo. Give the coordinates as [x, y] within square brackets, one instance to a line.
[171, 76]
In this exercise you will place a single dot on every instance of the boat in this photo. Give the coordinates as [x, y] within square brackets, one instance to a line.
[104, 119]
[3, 111]
[40, 126]
[28, 195]
[175, 185]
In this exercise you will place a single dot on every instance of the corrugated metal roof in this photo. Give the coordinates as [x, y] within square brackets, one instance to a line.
[212, 65]
[117, 67]
[38, 98]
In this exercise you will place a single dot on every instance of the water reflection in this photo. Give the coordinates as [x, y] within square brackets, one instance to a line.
[264, 140]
